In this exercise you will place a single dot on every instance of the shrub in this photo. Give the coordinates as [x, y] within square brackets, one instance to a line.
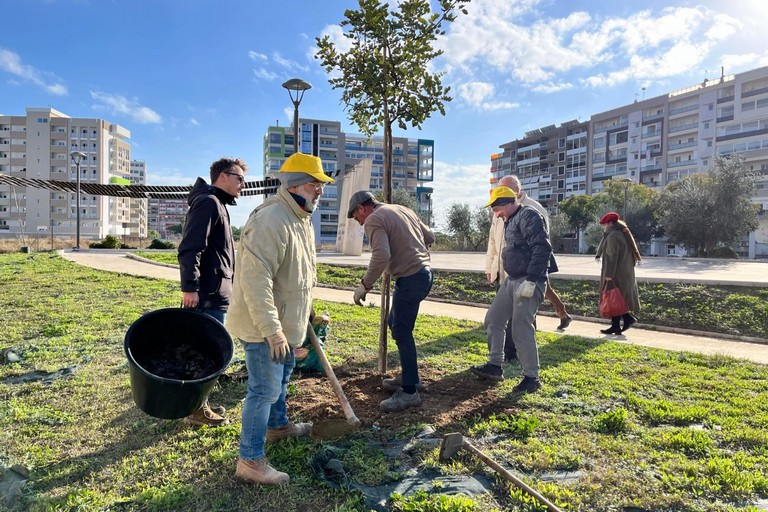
[159, 244]
[109, 242]
[723, 252]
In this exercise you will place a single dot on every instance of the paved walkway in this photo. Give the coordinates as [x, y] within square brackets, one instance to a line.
[578, 266]
[704, 343]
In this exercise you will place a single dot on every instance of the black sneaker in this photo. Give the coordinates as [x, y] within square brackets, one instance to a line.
[528, 385]
[488, 371]
[510, 352]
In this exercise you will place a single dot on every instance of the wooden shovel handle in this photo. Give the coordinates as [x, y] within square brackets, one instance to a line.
[348, 412]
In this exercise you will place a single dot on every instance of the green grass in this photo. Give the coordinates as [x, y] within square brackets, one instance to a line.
[643, 428]
[733, 310]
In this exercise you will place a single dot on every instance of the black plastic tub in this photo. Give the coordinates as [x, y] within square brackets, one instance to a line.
[175, 356]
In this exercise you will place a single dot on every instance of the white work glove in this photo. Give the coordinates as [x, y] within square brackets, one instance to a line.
[359, 295]
[526, 289]
[278, 347]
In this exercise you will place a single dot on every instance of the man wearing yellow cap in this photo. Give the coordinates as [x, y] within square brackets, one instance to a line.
[525, 258]
[270, 309]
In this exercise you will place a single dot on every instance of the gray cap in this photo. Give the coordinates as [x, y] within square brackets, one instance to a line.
[358, 198]
[294, 179]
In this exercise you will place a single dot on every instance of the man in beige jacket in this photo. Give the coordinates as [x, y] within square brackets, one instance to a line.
[494, 269]
[270, 308]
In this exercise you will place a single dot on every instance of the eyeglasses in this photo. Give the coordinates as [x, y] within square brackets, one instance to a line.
[240, 177]
[319, 185]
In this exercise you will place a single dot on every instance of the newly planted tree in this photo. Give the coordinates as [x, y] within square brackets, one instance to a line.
[386, 79]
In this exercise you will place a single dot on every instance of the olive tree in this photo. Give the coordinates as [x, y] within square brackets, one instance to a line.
[709, 210]
[468, 226]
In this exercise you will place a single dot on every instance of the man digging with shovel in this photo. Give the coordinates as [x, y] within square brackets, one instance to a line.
[271, 302]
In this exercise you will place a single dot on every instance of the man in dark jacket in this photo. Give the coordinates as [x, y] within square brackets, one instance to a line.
[207, 254]
[526, 259]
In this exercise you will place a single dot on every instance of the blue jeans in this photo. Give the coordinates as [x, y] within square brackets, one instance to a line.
[218, 314]
[408, 293]
[264, 405]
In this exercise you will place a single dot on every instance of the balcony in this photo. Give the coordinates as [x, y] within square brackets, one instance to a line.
[683, 127]
[601, 129]
[682, 163]
[691, 144]
[682, 110]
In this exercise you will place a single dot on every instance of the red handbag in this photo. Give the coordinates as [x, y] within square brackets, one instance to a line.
[612, 301]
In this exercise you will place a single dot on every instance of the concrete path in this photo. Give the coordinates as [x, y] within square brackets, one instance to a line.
[705, 343]
[577, 266]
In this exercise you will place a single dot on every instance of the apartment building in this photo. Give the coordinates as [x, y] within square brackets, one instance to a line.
[412, 165]
[165, 215]
[551, 162]
[37, 145]
[653, 142]
[137, 224]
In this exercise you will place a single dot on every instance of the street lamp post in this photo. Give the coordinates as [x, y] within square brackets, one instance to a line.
[77, 157]
[299, 86]
[626, 182]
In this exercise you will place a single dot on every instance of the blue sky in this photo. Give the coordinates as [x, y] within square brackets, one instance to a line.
[196, 80]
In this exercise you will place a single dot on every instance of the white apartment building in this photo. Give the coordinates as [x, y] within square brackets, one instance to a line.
[412, 165]
[138, 208]
[653, 142]
[38, 146]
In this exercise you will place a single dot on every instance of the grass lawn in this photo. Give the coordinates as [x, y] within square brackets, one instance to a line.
[635, 429]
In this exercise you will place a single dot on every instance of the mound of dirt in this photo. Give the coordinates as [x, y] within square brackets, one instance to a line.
[446, 398]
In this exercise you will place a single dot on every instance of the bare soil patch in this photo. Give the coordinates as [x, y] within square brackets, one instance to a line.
[446, 398]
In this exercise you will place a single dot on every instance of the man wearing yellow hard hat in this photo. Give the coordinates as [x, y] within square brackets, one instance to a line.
[269, 314]
[526, 259]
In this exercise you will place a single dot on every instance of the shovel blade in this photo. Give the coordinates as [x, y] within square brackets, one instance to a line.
[450, 445]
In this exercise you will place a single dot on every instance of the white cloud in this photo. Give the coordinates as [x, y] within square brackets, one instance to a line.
[266, 70]
[731, 63]
[11, 63]
[336, 36]
[539, 50]
[256, 56]
[476, 94]
[551, 87]
[120, 105]
[194, 122]
[265, 74]
[287, 63]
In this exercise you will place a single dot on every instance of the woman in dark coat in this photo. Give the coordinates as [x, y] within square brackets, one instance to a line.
[619, 253]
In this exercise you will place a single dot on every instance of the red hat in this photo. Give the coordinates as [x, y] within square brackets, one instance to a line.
[609, 217]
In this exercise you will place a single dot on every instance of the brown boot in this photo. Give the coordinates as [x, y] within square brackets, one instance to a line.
[205, 416]
[260, 472]
[290, 430]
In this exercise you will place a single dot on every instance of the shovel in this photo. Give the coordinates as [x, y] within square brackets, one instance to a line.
[330, 429]
[455, 441]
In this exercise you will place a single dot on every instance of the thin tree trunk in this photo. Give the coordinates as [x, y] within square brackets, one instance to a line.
[387, 149]
[383, 323]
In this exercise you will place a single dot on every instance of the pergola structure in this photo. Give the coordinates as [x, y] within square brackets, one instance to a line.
[252, 188]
